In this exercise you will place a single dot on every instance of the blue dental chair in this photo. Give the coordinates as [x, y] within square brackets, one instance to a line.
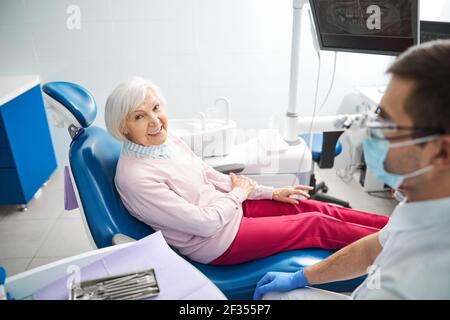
[93, 158]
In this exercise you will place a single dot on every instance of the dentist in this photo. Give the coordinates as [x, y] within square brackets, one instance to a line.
[408, 147]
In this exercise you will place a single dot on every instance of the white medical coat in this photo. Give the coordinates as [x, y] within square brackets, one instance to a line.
[415, 260]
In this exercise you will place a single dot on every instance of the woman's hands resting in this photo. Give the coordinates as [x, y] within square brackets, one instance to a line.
[243, 182]
[279, 194]
[283, 194]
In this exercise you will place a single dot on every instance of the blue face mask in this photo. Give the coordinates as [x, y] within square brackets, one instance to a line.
[375, 153]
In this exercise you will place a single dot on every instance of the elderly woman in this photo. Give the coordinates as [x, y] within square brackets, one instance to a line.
[209, 216]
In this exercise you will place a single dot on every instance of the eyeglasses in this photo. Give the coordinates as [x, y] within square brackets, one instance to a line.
[377, 127]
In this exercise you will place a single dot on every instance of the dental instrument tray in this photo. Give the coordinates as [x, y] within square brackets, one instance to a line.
[128, 286]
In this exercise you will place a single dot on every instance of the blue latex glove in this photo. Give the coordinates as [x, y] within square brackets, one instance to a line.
[3, 295]
[280, 282]
[2, 282]
[2, 275]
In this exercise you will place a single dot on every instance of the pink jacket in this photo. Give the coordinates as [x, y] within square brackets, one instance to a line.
[191, 203]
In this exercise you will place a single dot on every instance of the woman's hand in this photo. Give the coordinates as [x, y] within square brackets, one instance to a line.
[242, 182]
[282, 194]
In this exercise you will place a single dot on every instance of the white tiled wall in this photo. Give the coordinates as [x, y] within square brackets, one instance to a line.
[196, 50]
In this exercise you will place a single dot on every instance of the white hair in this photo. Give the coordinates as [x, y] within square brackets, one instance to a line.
[126, 98]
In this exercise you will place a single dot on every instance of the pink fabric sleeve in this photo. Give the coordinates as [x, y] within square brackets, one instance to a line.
[156, 203]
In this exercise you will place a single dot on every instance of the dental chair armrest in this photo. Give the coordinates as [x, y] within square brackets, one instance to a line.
[228, 168]
[120, 238]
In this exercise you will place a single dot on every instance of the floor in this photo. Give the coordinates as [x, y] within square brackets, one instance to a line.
[43, 234]
[47, 233]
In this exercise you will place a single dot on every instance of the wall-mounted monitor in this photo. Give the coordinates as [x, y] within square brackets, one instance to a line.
[434, 30]
[367, 26]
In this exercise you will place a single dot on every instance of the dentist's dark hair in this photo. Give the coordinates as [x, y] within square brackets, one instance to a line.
[428, 65]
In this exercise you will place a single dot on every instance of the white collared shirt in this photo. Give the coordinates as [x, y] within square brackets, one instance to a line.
[415, 260]
[161, 151]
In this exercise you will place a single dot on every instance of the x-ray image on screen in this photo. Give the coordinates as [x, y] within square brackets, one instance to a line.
[374, 26]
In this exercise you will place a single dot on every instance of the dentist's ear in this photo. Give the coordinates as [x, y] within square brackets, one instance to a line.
[442, 158]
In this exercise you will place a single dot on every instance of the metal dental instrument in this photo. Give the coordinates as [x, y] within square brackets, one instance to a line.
[136, 285]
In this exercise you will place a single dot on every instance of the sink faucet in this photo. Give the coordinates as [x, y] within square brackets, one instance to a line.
[227, 107]
[203, 120]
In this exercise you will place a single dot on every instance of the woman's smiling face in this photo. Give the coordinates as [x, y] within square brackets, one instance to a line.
[147, 124]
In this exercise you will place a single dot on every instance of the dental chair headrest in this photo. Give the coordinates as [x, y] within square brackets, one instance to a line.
[71, 103]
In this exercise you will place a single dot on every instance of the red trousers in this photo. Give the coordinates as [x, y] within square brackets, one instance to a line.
[269, 226]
